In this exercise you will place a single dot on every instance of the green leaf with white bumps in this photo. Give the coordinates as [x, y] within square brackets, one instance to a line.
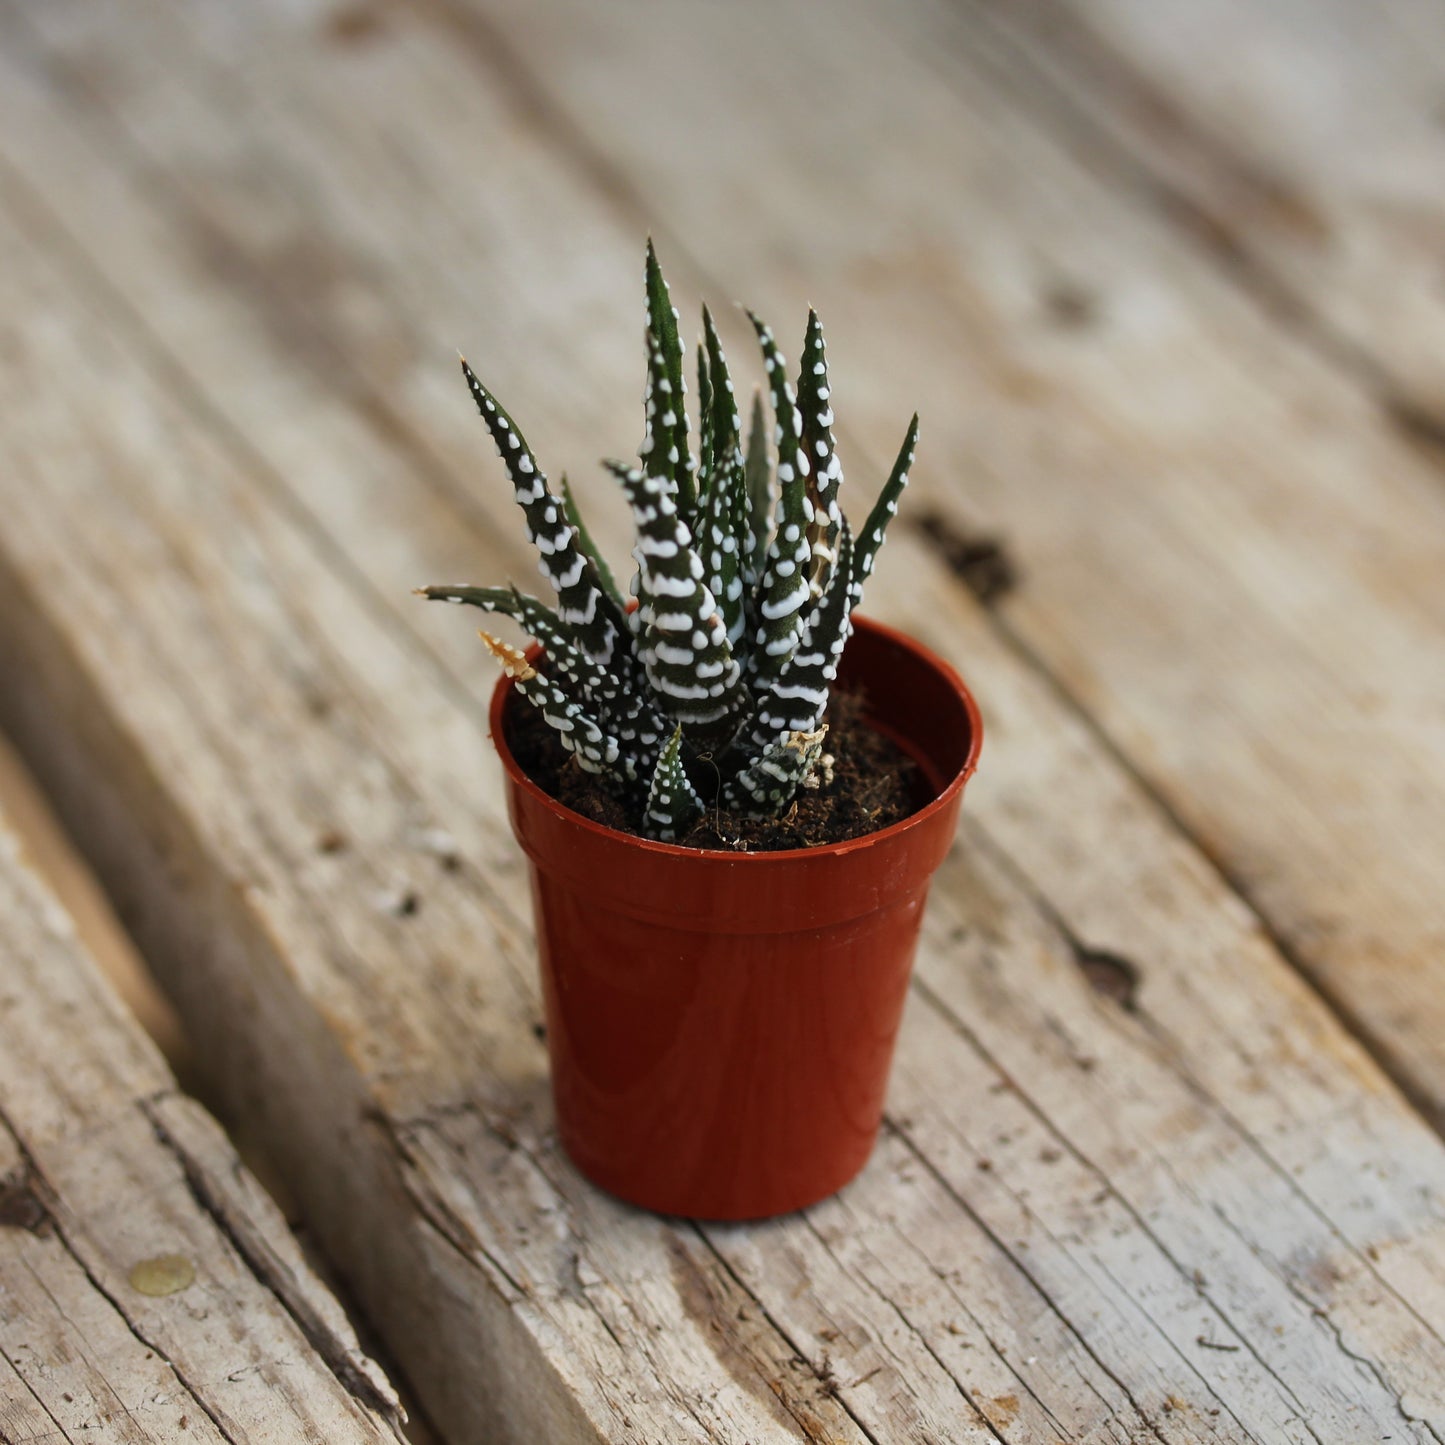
[673, 805]
[870, 539]
[682, 639]
[784, 590]
[747, 577]
[721, 534]
[720, 406]
[580, 733]
[664, 449]
[815, 405]
[706, 452]
[762, 498]
[590, 548]
[581, 599]
[620, 708]
[770, 782]
[795, 701]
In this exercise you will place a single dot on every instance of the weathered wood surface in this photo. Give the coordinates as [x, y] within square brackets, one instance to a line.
[1202, 1216]
[149, 1291]
[1299, 140]
[1176, 475]
[55, 858]
[1232, 563]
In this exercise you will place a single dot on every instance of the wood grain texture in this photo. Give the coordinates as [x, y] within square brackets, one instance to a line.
[149, 1290]
[1215, 529]
[1202, 1216]
[54, 857]
[1231, 562]
[1299, 142]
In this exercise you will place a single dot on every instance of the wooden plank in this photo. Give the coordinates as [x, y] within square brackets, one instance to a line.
[391, 1059]
[1156, 508]
[1278, 822]
[53, 856]
[298, 974]
[1300, 141]
[149, 1290]
[1213, 523]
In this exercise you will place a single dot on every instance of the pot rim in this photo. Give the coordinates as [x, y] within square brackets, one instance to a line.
[502, 693]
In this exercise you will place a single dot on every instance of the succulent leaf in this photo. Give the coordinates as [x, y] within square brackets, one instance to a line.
[582, 601]
[580, 733]
[816, 407]
[769, 783]
[721, 531]
[747, 576]
[784, 587]
[706, 452]
[664, 450]
[683, 639]
[720, 405]
[762, 499]
[672, 801]
[589, 547]
[618, 707]
[719, 541]
[795, 701]
[870, 539]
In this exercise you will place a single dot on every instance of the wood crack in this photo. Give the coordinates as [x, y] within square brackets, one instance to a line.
[1207, 1101]
[42, 1185]
[1338, 1005]
[460, 1236]
[442, 1217]
[738, 1355]
[220, 1204]
[946, 1184]
[923, 1340]
[1365, 1362]
[800, 1354]
[1066, 1145]
[59, 1433]
[1108, 972]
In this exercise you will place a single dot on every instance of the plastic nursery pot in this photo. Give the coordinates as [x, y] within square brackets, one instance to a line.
[720, 1024]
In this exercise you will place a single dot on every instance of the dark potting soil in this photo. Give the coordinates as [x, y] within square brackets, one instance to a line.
[874, 784]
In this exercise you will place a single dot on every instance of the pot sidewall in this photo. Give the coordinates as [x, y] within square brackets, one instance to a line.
[721, 1025]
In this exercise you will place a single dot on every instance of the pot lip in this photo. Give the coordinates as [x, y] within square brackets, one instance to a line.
[503, 691]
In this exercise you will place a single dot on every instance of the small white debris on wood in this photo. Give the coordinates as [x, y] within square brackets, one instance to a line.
[439, 844]
[400, 900]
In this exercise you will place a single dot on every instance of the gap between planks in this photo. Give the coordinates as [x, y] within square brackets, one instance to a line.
[104, 1169]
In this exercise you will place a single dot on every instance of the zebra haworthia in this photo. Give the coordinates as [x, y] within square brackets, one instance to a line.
[716, 688]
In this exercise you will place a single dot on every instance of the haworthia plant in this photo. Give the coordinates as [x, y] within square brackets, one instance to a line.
[715, 687]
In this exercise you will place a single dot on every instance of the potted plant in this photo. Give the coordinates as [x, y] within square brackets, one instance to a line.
[732, 791]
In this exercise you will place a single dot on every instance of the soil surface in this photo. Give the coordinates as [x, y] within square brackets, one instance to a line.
[874, 785]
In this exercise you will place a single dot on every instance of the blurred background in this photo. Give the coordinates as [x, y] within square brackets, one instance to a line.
[1164, 278]
[1165, 282]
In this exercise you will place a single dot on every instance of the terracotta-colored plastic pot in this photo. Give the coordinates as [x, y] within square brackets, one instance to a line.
[721, 1024]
